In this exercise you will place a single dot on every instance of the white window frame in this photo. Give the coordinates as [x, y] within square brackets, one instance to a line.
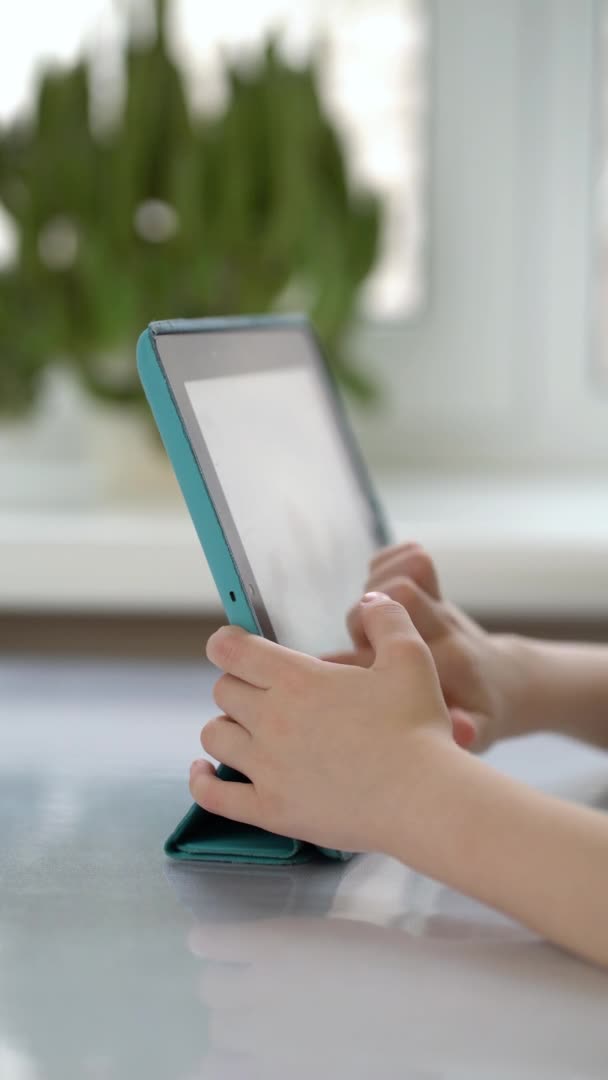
[496, 370]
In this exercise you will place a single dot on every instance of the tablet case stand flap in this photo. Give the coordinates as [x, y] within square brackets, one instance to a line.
[205, 837]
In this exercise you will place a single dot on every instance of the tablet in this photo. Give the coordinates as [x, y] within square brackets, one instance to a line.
[270, 471]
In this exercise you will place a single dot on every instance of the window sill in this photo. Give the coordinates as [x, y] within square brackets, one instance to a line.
[516, 547]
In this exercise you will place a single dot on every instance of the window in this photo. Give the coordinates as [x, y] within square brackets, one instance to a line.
[495, 371]
[599, 336]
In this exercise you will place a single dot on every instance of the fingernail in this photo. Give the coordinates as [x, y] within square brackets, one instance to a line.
[369, 597]
[197, 766]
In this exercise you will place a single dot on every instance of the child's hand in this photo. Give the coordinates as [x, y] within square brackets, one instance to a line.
[362, 758]
[332, 751]
[474, 667]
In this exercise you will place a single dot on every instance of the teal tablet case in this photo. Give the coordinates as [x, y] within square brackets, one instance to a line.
[205, 837]
[202, 836]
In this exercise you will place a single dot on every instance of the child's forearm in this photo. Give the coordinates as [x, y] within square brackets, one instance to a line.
[539, 860]
[559, 687]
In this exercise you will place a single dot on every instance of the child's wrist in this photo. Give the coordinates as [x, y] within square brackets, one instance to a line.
[562, 687]
[451, 828]
[545, 685]
[416, 821]
[524, 696]
[537, 859]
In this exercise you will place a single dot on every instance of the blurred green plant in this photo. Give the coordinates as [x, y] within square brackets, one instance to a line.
[166, 214]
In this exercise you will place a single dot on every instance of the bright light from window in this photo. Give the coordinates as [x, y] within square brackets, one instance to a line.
[600, 280]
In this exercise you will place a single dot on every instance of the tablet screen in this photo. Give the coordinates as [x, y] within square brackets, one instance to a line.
[294, 497]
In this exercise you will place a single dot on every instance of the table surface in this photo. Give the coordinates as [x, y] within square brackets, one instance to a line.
[115, 963]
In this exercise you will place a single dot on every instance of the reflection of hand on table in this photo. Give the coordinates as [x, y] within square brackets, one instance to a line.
[297, 997]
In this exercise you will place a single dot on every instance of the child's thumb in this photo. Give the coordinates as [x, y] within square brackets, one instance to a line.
[388, 628]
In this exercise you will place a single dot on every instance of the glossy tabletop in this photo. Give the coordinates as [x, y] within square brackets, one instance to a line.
[115, 963]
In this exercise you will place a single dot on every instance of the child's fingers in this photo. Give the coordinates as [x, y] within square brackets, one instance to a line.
[464, 728]
[424, 612]
[227, 742]
[239, 653]
[409, 561]
[390, 550]
[227, 798]
[251, 658]
[238, 699]
[203, 767]
[388, 628]
[420, 607]
[363, 657]
[356, 629]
